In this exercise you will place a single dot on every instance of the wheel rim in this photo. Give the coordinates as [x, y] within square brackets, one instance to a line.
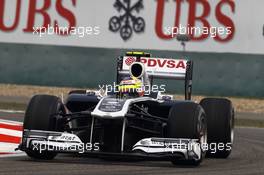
[232, 128]
[60, 111]
[203, 133]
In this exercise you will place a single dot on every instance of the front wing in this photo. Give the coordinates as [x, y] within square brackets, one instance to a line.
[148, 148]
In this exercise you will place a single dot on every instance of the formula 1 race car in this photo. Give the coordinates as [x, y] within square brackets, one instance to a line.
[130, 120]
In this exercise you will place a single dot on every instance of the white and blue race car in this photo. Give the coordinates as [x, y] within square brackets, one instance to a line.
[148, 126]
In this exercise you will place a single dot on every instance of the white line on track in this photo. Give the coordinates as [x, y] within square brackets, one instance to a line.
[248, 127]
[11, 122]
[13, 155]
[12, 111]
[8, 147]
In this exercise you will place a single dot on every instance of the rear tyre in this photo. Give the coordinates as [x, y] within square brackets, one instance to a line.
[187, 120]
[220, 123]
[40, 116]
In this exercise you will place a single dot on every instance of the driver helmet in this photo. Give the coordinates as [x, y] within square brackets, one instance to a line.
[131, 86]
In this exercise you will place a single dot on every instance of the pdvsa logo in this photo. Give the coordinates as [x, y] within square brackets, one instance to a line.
[130, 60]
[127, 22]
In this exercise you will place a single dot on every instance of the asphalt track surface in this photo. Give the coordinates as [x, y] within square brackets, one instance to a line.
[247, 158]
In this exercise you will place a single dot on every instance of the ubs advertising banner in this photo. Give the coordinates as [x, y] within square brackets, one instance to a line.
[213, 25]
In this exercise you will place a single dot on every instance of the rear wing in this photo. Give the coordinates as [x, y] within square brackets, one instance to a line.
[178, 69]
[158, 67]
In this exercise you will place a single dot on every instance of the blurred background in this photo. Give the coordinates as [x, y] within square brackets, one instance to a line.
[54, 46]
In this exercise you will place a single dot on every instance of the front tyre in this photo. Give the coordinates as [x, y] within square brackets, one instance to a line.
[187, 120]
[220, 122]
[41, 115]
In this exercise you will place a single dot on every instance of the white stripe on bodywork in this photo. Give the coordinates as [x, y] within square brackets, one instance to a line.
[121, 114]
